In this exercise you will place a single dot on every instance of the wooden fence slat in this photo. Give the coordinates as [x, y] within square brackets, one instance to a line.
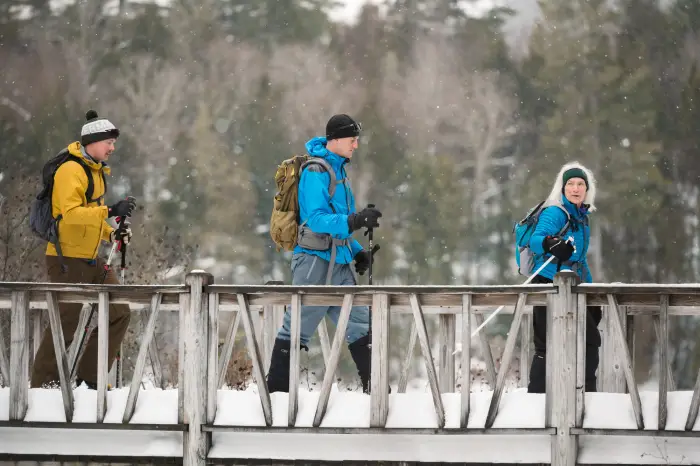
[59, 347]
[38, 330]
[663, 361]
[670, 381]
[153, 352]
[466, 359]
[446, 339]
[486, 353]
[581, 320]
[694, 405]
[408, 358]
[227, 350]
[254, 352]
[379, 379]
[419, 319]
[331, 366]
[144, 348]
[182, 331]
[19, 356]
[508, 352]
[83, 327]
[626, 361]
[525, 353]
[102, 345]
[325, 342]
[213, 357]
[294, 359]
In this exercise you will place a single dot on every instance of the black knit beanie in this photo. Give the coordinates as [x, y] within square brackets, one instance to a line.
[342, 126]
[97, 129]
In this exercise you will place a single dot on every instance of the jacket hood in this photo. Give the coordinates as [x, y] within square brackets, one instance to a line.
[556, 195]
[316, 147]
[74, 149]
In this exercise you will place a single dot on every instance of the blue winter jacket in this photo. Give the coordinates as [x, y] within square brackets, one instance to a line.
[551, 221]
[315, 203]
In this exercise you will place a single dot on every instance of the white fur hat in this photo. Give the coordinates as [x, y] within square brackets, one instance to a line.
[556, 193]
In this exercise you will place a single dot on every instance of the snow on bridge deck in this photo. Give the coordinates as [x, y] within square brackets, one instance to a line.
[411, 433]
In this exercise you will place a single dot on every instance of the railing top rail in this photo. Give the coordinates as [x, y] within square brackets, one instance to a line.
[374, 289]
[637, 288]
[6, 287]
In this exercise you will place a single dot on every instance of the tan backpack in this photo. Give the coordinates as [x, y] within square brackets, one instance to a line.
[284, 221]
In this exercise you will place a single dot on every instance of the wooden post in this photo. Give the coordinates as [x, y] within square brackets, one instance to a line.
[102, 344]
[379, 396]
[611, 374]
[562, 362]
[466, 359]
[19, 356]
[525, 354]
[195, 359]
[447, 332]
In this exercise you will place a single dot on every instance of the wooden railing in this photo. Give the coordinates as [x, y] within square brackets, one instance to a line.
[202, 362]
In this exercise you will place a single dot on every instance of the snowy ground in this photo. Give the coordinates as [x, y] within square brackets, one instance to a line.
[351, 410]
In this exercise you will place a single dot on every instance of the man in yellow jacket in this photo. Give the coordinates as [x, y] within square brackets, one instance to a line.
[81, 228]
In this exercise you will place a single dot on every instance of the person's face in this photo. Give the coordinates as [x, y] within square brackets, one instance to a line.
[344, 147]
[101, 150]
[575, 191]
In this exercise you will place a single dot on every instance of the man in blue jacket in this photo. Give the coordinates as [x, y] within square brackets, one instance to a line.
[326, 248]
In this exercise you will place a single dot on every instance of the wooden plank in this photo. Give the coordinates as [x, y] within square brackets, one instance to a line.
[612, 353]
[331, 366]
[227, 350]
[4, 366]
[508, 352]
[381, 431]
[428, 358]
[294, 358]
[663, 361]
[486, 353]
[19, 356]
[562, 365]
[455, 290]
[637, 433]
[102, 345]
[408, 358]
[144, 347]
[581, 320]
[694, 405]
[325, 342]
[269, 334]
[212, 356]
[447, 324]
[84, 327]
[254, 352]
[182, 329]
[92, 426]
[195, 441]
[466, 360]
[59, 347]
[153, 352]
[379, 396]
[525, 353]
[38, 331]
[671, 384]
[626, 361]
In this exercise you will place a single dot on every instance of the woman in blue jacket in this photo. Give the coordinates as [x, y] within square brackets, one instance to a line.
[575, 189]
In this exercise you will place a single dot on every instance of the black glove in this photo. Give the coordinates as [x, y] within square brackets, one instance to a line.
[362, 259]
[558, 247]
[366, 218]
[123, 234]
[122, 208]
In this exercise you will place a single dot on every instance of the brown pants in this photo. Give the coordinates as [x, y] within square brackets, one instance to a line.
[45, 370]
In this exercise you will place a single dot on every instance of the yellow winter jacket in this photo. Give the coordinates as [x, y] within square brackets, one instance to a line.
[84, 223]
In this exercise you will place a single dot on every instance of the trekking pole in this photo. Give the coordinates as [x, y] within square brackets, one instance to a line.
[370, 233]
[115, 245]
[529, 279]
[123, 267]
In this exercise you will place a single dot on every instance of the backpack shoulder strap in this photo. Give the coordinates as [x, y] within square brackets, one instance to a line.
[91, 183]
[326, 166]
[550, 203]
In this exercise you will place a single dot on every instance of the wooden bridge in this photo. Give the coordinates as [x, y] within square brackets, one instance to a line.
[200, 421]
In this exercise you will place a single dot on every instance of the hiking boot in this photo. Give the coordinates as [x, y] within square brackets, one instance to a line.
[362, 355]
[278, 376]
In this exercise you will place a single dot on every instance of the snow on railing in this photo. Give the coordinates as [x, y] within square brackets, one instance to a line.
[202, 364]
